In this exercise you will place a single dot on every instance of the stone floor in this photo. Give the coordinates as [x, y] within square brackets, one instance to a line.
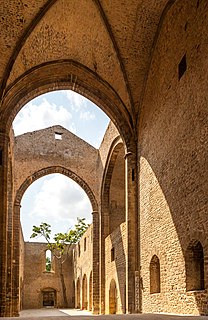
[73, 314]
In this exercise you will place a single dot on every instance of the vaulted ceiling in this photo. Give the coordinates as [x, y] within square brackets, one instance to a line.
[113, 39]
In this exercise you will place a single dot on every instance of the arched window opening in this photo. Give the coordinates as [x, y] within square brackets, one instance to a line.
[194, 261]
[85, 244]
[79, 249]
[48, 264]
[154, 275]
[112, 297]
[84, 293]
[78, 294]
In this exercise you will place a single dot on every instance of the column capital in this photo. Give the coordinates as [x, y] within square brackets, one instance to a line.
[129, 154]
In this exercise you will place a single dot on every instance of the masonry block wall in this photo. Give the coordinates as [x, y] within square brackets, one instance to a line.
[115, 259]
[39, 150]
[21, 269]
[83, 270]
[173, 156]
[37, 280]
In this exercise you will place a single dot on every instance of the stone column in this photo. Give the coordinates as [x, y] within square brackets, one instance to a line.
[16, 261]
[132, 229]
[9, 238]
[104, 231]
[4, 148]
[95, 263]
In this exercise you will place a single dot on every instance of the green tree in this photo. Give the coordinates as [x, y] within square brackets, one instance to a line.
[60, 245]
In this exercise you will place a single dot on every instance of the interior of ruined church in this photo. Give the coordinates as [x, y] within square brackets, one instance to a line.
[144, 64]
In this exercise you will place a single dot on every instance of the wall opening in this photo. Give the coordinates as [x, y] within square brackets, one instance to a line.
[182, 67]
[49, 297]
[58, 136]
[112, 254]
[194, 261]
[48, 264]
[154, 275]
[112, 297]
[78, 294]
[84, 293]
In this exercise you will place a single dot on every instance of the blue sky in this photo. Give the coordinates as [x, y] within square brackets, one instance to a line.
[56, 199]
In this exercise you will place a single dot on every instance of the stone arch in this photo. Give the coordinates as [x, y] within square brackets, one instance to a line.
[112, 297]
[78, 294]
[84, 293]
[56, 169]
[114, 151]
[155, 275]
[66, 74]
[194, 264]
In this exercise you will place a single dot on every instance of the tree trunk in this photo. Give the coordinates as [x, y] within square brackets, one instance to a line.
[63, 284]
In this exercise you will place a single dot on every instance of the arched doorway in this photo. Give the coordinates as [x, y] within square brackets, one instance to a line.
[84, 293]
[78, 294]
[112, 297]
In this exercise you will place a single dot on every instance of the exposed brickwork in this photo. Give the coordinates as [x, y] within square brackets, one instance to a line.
[36, 278]
[83, 266]
[145, 64]
[40, 150]
[116, 269]
[173, 159]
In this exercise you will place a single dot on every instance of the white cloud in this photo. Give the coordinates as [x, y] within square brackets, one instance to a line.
[77, 101]
[81, 105]
[34, 117]
[86, 115]
[61, 200]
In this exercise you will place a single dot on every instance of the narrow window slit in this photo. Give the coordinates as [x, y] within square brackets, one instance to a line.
[182, 67]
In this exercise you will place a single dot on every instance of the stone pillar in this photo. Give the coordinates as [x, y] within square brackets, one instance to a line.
[9, 239]
[4, 148]
[132, 230]
[95, 263]
[104, 231]
[16, 261]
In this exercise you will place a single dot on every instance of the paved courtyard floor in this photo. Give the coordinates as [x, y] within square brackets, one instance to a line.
[74, 314]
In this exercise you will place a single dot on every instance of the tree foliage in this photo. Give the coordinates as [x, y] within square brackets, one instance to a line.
[60, 244]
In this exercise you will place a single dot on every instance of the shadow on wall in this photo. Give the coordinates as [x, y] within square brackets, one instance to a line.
[173, 223]
[118, 261]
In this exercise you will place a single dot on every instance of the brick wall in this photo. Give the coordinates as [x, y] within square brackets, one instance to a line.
[116, 267]
[36, 278]
[83, 267]
[173, 157]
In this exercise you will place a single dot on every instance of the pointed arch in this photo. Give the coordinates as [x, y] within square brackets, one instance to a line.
[56, 169]
[155, 275]
[194, 263]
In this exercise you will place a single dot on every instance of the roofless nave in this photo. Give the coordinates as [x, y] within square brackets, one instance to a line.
[144, 63]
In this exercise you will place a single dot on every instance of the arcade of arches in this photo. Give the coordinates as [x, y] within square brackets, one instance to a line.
[144, 63]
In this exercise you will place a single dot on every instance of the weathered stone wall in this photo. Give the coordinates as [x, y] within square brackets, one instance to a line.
[110, 135]
[173, 159]
[36, 278]
[117, 193]
[39, 150]
[21, 268]
[83, 264]
[116, 267]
